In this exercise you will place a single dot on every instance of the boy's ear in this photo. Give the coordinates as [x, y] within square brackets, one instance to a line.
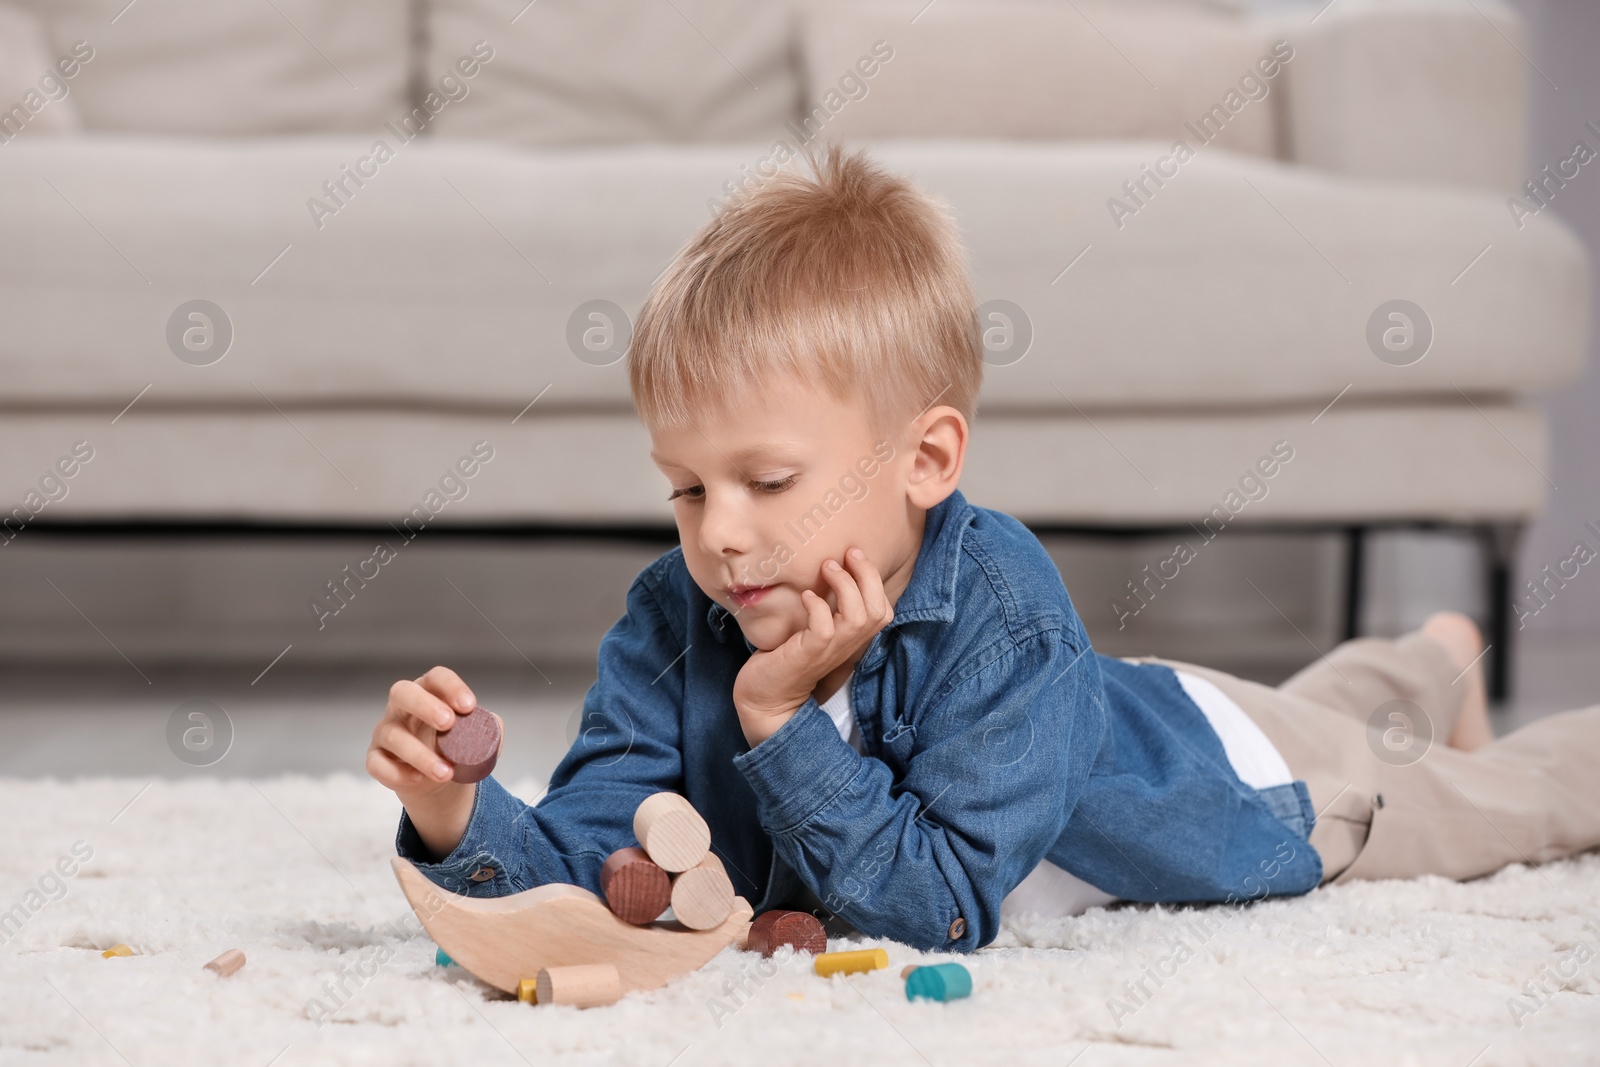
[939, 441]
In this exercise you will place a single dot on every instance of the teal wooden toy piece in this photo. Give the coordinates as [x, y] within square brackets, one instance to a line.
[441, 959]
[939, 981]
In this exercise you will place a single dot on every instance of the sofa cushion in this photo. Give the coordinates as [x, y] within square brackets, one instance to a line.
[203, 67]
[1041, 69]
[452, 276]
[1445, 461]
[1414, 89]
[35, 96]
[599, 71]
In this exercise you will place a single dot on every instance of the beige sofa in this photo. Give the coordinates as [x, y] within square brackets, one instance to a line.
[1161, 320]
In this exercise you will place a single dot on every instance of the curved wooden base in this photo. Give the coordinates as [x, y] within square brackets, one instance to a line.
[503, 940]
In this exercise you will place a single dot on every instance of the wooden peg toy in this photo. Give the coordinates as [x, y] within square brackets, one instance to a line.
[503, 940]
[866, 959]
[441, 959]
[472, 744]
[583, 985]
[940, 981]
[116, 950]
[798, 929]
[635, 887]
[528, 991]
[671, 831]
[702, 896]
[905, 972]
[227, 963]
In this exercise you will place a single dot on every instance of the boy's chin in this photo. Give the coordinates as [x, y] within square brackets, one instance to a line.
[768, 634]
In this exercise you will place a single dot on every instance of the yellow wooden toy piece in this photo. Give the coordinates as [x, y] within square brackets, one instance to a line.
[528, 991]
[866, 959]
[116, 950]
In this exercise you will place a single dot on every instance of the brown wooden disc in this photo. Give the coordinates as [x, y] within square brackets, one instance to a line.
[472, 744]
[800, 930]
[636, 889]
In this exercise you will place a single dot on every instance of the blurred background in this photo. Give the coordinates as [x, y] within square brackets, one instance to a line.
[314, 319]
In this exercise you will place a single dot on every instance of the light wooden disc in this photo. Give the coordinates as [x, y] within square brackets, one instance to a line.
[702, 896]
[671, 831]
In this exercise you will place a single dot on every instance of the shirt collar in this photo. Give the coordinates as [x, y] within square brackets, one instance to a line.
[930, 596]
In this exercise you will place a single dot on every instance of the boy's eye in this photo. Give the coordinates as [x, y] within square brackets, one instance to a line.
[697, 492]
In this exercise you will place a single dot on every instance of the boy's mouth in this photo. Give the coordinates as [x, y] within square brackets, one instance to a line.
[746, 595]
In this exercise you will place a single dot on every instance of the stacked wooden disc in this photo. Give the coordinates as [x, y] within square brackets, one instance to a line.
[635, 887]
[673, 864]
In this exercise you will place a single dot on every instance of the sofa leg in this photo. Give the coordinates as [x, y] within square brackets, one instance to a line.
[1499, 541]
[1355, 567]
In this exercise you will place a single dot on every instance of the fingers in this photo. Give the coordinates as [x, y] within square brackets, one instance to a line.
[447, 685]
[873, 596]
[390, 772]
[392, 740]
[851, 609]
[819, 617]
[410, 700]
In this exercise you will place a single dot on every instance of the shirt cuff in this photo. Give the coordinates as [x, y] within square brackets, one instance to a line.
[799, 769]
[475, 866]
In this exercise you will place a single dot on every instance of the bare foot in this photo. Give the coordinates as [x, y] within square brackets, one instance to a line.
[1459, 634]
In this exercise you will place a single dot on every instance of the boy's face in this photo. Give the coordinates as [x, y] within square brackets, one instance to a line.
[770, 489]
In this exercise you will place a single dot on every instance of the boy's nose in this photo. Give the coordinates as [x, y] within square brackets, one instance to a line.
[723, 531]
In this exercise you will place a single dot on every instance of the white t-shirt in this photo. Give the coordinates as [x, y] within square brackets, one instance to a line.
[1053, 891]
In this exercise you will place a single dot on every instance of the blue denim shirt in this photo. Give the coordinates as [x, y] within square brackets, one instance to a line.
[993, 737]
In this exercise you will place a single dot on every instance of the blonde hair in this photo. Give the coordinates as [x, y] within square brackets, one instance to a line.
[850, 279]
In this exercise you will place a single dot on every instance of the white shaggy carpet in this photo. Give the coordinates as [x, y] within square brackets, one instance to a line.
[295, 872]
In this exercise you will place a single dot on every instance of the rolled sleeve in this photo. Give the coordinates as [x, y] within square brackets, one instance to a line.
[490, 860]
[799, 769]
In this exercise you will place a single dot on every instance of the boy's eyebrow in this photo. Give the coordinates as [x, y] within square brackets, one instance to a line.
[745, 455]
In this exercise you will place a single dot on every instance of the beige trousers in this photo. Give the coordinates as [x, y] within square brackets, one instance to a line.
[1366, 727]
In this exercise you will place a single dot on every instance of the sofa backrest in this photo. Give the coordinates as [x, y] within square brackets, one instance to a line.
[569, 72]
[1042, 69]
[234, 67]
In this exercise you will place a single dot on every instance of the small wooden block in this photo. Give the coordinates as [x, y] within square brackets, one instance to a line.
[671, 831]
[941, 981]
[472, 744]
[528, 991]
[702, 896]
[866, 959]
[584, 985]
[798, 929]
[226, 963]
[905, 972]
[635, 887]
[441, 958]
[116, 950]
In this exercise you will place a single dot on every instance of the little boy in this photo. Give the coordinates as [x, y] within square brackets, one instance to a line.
[880, 696]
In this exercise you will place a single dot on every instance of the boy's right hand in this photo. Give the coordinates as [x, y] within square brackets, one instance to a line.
[402, 755]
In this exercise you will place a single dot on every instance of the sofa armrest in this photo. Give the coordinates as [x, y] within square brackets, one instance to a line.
[1432, 90]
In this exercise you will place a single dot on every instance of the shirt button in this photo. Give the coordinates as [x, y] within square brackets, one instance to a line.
[958, 928]
[482, 874]
[1377, 801]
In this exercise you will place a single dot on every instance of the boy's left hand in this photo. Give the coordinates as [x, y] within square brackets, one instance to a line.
[772, 685]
